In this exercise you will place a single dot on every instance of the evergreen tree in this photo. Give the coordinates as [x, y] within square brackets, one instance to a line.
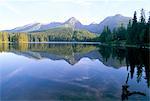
[134, 19]
[134, 29]
[141, 28]
[106, 35]
[121, 33]
[129, 32]
[114, 34]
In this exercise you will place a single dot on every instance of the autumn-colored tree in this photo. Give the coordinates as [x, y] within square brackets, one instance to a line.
[3, 37]
[22, 38]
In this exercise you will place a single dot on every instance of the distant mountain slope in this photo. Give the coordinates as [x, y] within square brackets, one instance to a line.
[111, 22]
[27, 28]
[51, 25]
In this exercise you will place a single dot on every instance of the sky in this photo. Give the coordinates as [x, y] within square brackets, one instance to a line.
[14, 13]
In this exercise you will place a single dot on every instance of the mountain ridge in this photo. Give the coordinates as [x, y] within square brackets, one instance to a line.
[110, 21]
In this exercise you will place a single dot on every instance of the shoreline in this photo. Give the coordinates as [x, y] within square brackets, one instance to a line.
[126, 45]
[54, 42]
[88, 43]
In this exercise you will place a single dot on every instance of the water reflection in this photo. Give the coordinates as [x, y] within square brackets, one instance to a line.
[126, 93]
[135, 58]
[130, 57]
[73, 72]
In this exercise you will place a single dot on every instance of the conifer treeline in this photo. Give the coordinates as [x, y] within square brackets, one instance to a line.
[137, 32]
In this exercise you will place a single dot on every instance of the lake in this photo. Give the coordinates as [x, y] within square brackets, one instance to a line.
[73, 72]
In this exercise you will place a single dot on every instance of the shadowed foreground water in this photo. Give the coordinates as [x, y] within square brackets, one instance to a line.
[73, 72]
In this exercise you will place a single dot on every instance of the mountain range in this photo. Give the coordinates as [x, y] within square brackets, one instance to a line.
[111, 21]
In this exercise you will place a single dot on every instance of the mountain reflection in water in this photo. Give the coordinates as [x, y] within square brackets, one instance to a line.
[73, 72]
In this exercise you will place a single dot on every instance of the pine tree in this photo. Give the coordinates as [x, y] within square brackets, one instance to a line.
[106, 35]
[129, 32]
[121, 32]
[114, 34]
[134, 19]
[141, 28]
[134, 29]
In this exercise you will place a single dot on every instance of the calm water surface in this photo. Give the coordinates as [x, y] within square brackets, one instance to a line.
[73, 72]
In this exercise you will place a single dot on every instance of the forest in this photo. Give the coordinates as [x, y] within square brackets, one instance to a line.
[137, 32]
[55, 34]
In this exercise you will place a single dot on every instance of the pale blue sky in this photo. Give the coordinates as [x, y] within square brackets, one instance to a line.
[15, 13]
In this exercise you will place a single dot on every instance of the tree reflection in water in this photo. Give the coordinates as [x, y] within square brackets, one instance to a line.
[126, 93]
[136, 58]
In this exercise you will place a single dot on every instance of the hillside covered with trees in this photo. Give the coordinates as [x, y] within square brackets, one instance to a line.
[137, 32]
[55, 34]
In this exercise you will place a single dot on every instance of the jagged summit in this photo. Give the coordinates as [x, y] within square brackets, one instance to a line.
[72, 21]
